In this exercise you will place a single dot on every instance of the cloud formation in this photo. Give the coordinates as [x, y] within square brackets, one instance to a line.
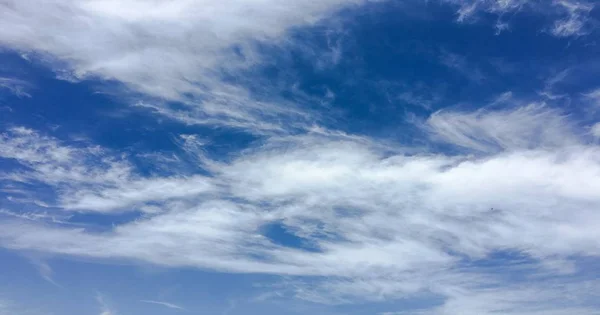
[165, 304]
[571, 18]
[104, 307]
[576, 23]
[170, 51]
[527, 127]
[15, 86]
[199, 52]
[372, 220]
[402, 224]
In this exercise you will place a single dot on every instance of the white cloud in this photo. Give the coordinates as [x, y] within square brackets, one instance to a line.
[466, 10]
[550, 85]
[181, 50]
[165, 304]
[15, 86]
[175, 50]
[87, 177]
[576, 21]
[595, 130]
[50, 158]
[36, 216]
[469, 8]
[571, 17]
[477, 294]
[44, 270]
[527, 127]
[547, 297]
[385, 224]
[104, 307]
[136, 192]
[593, 97]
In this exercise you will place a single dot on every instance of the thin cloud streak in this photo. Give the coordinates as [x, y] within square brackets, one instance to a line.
[15, 86]
[104, 307]
[165, 304]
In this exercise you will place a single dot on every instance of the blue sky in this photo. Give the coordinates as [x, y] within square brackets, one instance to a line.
[299, 157]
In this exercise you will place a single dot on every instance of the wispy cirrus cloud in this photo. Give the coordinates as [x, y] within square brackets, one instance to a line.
[90, 178]
[44, 270]
[17, 87]
[402, 224]
[522, 299]
[570, 17]
[176, 51]
[105, 309]
[468, 9]
[577, 21]
[199, 53]
[165, 304]
[530, 126]
[593, 97]
[372, 220]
